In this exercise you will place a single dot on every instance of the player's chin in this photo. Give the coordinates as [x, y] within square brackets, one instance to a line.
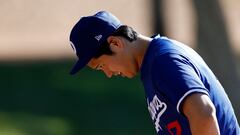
[131, 75]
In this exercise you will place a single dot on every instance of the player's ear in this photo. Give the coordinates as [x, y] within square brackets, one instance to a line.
[115, 41]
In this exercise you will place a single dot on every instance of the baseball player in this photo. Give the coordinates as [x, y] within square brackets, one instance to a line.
[183, 95]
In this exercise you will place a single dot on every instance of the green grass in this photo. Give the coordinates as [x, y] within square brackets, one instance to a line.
[41, 98]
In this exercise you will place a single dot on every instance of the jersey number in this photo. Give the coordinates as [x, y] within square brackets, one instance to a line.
[174, 127]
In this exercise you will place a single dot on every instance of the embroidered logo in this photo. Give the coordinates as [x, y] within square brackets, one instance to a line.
[156, 108]
[98, 37]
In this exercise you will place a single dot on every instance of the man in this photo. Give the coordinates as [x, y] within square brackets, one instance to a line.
[183, 95]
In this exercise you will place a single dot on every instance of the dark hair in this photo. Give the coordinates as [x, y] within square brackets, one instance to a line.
[124, 31]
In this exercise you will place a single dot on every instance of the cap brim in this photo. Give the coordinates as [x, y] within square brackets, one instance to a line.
[76, 68]
[79, 65]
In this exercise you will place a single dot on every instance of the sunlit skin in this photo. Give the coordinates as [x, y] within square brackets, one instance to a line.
[127, 58]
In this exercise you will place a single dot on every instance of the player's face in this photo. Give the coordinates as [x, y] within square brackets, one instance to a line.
[112, 65]
[120, 63]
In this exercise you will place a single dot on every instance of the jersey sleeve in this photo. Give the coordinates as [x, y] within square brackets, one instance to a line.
[176, 77]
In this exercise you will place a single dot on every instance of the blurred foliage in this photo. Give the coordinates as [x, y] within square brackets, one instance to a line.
[41, 98]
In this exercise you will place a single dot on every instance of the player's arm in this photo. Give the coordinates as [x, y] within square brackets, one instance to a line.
[201, 113]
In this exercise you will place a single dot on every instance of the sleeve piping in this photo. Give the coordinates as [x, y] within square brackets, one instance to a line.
[188, 93]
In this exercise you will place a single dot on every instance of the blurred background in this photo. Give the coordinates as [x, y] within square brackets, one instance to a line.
[39, 97]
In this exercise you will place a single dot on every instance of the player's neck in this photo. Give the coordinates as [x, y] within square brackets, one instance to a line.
[141, 45]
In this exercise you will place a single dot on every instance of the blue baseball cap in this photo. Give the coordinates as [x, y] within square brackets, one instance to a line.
[88, 34]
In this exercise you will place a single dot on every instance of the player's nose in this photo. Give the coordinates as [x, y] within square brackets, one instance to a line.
[108, 73]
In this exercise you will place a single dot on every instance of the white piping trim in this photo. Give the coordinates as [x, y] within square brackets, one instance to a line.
[73, 47]
[186, 94]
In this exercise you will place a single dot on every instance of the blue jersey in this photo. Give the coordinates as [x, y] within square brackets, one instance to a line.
[170, 72]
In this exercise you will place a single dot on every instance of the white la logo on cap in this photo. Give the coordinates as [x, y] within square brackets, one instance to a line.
[98, 37]
[73, 47]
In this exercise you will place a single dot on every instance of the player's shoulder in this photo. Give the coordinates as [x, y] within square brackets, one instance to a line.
[162, 45]
[161, 52]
